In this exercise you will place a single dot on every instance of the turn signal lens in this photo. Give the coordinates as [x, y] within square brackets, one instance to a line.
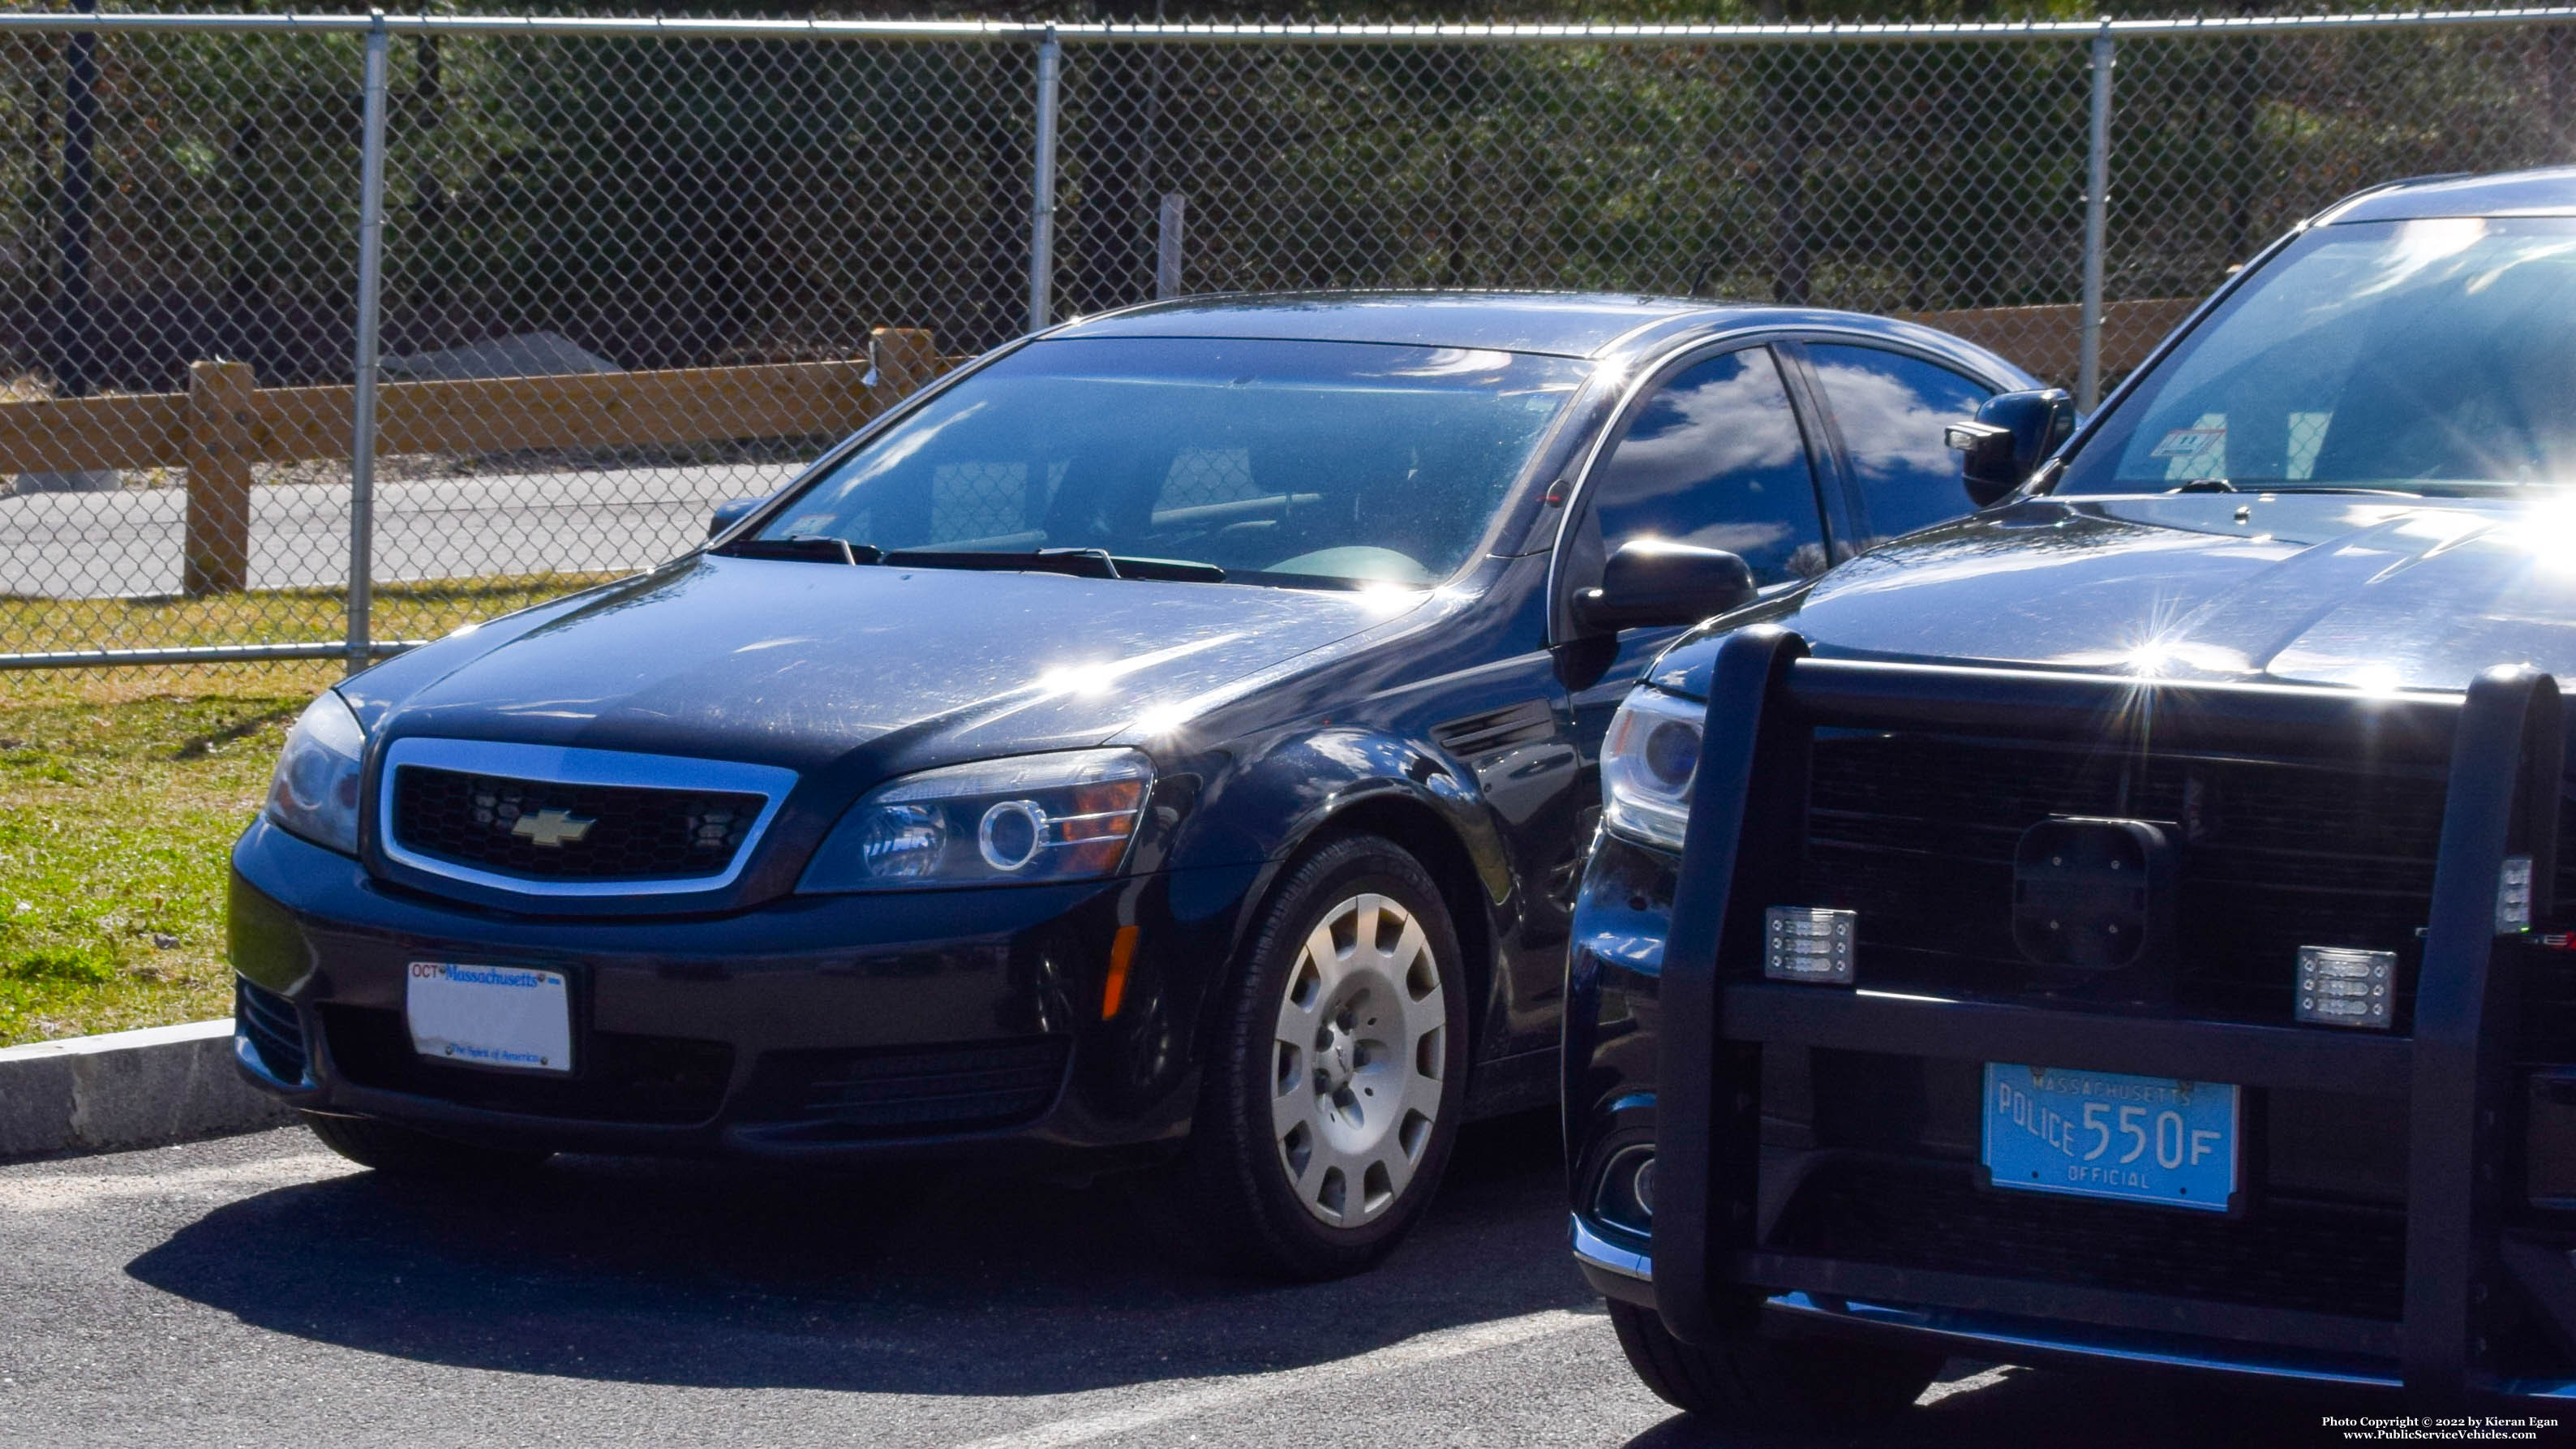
[2339, 986]
[1809, 943]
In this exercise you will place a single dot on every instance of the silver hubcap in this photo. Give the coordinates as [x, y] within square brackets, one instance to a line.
[1356, 1061]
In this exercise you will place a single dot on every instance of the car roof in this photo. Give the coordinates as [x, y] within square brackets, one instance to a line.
[2548, 191]
[1567, 324]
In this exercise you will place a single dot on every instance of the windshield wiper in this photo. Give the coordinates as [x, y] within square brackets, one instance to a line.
[1084, 563]
[810, 547]
[2275, 485]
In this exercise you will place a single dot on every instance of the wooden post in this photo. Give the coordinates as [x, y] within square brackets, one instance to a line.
[905, 357]
[218, 458]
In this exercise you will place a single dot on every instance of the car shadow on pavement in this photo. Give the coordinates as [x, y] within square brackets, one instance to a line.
[711, 1275]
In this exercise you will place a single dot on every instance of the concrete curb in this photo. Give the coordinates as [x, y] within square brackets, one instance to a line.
[128, 1089]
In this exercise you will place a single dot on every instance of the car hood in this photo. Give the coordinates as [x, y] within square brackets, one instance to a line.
[801, 664]
[2343, 589]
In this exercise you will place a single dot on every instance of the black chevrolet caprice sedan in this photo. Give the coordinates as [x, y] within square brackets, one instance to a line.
[1177, 726]
[2129, 926]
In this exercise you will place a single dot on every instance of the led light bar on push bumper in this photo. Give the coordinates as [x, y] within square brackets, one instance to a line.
[2347, 986]
[1808, 943]
[2339, 986]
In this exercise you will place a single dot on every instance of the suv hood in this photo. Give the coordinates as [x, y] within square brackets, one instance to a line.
[799, 664]
[2344, 589]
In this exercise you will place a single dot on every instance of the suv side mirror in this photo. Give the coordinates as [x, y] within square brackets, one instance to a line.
[2013, 434]
[1651, 583]
[733, 511]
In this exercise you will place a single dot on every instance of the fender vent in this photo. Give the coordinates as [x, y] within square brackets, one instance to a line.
[1497, 730]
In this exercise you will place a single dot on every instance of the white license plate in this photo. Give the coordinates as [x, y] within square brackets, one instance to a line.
[490, 1016]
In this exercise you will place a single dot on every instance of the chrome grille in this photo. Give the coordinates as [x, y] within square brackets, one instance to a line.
[552, 831]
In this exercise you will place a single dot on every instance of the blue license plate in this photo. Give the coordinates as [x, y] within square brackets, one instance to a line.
[2101, 1134]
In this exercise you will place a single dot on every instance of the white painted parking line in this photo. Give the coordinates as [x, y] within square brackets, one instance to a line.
[1968, 1385]
[66, 1191]
[1234, 1393]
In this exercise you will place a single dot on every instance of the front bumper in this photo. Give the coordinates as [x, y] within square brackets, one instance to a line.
[811, 1026]
[1616, 1269]
[2470, 1288]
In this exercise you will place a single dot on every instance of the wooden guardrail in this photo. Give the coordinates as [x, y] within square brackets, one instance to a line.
[225, 422]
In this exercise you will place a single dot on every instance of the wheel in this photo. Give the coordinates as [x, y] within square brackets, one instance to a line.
[403, 1152]
[1338, 1072]
[1754, 1383]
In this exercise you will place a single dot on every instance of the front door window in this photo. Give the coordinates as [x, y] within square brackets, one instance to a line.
[1715, 458]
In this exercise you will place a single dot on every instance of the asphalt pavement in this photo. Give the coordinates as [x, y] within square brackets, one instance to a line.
[129, 542]
[255, 1290]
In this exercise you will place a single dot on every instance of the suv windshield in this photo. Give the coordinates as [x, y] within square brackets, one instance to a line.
[1311, 463]
[2427, 357]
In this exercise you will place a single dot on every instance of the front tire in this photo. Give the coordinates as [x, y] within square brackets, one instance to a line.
[1337, 1077]
[400, 1151]
[1749, 1382]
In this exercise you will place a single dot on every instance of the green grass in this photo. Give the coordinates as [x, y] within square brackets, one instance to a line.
[120, 793]
[279, 616]
[114, 819]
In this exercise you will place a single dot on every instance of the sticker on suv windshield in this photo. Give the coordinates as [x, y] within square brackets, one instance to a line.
[2189, 442]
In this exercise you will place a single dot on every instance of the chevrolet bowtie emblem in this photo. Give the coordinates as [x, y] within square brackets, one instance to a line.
[553, 829]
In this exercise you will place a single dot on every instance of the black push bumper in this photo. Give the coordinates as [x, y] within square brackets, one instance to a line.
[813, 1027]
[2471, 1257]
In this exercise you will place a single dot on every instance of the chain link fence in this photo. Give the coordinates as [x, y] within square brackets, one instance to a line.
[613, 272]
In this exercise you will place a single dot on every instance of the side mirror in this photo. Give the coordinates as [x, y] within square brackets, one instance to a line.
[1650, 583]
[733, 511]
[2013, 434]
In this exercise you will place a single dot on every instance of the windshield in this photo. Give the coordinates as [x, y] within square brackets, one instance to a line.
[2425, 357]
[1304, 463]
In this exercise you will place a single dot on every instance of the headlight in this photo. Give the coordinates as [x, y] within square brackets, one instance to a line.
[1049, 817]
[1647, 766]
[315, 790]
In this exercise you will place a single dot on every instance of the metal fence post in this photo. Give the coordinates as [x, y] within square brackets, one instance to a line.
[1042, 206]
[73, 340]
[2097, 188]
[362, 406]
[1167, 244]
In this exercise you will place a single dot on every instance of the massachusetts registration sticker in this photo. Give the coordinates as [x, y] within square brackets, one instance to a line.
[2101, 1134]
